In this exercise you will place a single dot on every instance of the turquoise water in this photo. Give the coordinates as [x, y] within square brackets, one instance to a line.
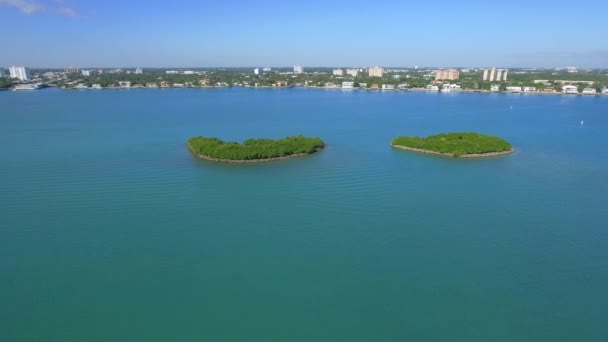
[111, 231]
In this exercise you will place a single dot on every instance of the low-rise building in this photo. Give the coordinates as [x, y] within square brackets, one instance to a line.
[348, 85]
[338, 72]
[124, 84]
[570, 89]
[388, 87]
[495, 87]
[172, 72]
[530, 89]
[450, 87]
[513, 89]
[402, 86]
[362, 85]
[151, 85]
[432, 87]
[165, 84]
[589, 91]
[375, 86]
[85, 73]
[331, 85]
[605, 91]
[139, 71]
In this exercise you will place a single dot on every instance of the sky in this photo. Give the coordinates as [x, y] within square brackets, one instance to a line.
[435, 33]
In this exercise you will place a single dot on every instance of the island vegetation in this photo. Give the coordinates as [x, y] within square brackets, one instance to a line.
[253, 150]
[460, 144]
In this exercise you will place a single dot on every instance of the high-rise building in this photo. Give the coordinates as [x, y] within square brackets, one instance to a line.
[447, 74]
[266, 69]
[20, 73]
[375, 72]
[338, 72]
[1, 72]
[495, 75]
[71, 70]
[139, 71]
[298, 69]
[352, 72]
[256, 71]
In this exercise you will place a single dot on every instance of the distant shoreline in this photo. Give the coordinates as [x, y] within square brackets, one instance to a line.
[472, 155]
[422, 90]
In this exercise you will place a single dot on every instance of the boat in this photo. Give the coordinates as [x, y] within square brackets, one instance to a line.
[31, 86]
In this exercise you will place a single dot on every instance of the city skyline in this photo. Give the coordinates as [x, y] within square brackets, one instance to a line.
[55, 34]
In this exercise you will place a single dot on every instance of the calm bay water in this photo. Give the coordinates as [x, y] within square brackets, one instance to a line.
[111, 231]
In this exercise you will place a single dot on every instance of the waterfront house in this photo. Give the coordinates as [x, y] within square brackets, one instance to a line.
[281, 84]
[589, 91]
[331, 85]
[402, 86]
[514, 89]
[432, 87]
[529, 89]
[570, 89]
[450, 87]
[348, 85]
[605, 91]
[388, 87]
[375, 86]
[495, 87]
[124, 84]
[165, 84]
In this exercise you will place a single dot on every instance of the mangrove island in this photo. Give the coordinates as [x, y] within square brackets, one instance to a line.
[464, 144]
[254, 150]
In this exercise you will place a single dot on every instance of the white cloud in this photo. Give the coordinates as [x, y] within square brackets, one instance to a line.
[25, 6]
[70, 12]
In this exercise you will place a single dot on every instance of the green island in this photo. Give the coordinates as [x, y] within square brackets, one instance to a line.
[254, 150]
[459, 144]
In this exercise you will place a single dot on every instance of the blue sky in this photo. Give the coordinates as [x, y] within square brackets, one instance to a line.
[111, 33]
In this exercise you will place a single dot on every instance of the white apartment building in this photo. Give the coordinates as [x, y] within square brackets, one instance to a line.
[495, 75]
[85, 73]
[298, 69]
[20, 73]
[570, 89]
[266, 69]
[139, 71]
[256, 71]
[348, 85]
[338, 72]
[1, 72]
[375, 72]
[352, 72]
